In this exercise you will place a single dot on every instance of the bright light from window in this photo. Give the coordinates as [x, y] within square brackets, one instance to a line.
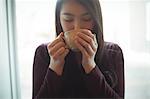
[148, 20]
[35, 25]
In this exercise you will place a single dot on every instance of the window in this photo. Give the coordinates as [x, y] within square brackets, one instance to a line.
[9, 82]
[125, 23]
[5, 90]
[35, 25]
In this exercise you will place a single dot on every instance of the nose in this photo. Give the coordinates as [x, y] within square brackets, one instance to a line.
[77, 24]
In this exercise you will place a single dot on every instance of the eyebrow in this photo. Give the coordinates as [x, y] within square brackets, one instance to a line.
[65, 13]
[84, 14]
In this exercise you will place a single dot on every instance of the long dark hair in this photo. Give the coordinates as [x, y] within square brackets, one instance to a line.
[94, 8]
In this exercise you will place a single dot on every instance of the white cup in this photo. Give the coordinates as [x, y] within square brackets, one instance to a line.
[69, 39]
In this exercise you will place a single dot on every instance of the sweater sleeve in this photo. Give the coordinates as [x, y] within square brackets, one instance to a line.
[46, 83]
[98, 86]
[51, 86]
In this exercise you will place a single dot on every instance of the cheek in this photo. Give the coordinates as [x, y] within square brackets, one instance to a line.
[66, 26]
[88, 25]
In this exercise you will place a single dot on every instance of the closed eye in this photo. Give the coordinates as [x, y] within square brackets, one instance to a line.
[68, 19]
[86, 17]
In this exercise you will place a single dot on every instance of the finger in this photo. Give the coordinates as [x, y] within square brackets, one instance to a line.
[61, 53]
[65, 53]
[88, 32]
[57, 46]
[53, 43]
[81, 48]
[61, 36]
[86, 45]
[88, 39]
[95, 41]
[58, 39]
[58, 53]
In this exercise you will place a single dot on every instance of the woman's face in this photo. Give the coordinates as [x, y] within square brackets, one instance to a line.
[75, 16]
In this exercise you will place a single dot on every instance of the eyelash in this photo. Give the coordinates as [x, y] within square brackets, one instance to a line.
[68, 20]
[88, 19]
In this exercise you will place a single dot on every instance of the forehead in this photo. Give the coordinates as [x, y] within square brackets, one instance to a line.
[74, 7]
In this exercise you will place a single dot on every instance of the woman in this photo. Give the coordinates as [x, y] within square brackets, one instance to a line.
[97, 70]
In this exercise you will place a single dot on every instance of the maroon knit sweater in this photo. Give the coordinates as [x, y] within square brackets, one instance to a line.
[106, 80]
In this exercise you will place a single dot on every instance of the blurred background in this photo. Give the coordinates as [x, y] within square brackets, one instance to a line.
[126, 22]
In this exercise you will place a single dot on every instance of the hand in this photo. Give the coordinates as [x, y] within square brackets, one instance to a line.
[57, 51]
[87, 44]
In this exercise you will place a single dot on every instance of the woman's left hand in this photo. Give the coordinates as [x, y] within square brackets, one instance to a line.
[87, 44]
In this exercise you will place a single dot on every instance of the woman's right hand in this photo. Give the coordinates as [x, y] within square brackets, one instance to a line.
[57, 51]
